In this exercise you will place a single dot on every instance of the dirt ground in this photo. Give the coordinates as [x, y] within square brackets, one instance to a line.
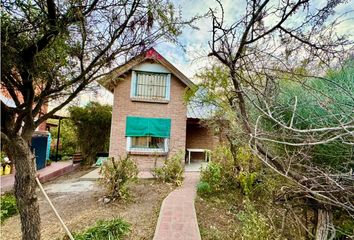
[77, 203]
[217, 219]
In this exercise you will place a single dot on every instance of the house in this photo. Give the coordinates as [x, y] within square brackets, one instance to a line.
[150, 119]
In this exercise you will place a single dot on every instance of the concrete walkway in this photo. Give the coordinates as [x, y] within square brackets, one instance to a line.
[56, 169]
[177, 219]
[96, 175]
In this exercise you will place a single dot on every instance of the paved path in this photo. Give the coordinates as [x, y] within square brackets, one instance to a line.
[56, 169]
[177, 219]
[96, 175]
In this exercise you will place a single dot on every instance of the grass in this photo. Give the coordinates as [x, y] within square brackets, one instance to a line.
[8, 206]
[115, 229]
[216, 215]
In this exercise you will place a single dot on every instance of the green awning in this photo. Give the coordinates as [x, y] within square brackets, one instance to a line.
[154, 127]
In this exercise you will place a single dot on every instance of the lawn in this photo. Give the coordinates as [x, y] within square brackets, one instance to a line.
[82, 209]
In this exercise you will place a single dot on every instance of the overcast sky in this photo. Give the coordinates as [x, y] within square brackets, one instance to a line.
[193, 58]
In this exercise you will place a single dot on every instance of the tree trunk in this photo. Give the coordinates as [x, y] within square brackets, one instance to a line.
[25, 187]
[324, 228]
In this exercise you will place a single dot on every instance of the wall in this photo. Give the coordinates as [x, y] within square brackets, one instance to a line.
[123, 106]
[199, 136]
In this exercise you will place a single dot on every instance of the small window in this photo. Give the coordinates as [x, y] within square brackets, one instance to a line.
[148, 85]
[147, 144]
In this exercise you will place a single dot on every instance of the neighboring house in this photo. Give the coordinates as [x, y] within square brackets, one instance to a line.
[150, 120]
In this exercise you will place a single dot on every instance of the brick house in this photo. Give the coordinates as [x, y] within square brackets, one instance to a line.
[150, 119]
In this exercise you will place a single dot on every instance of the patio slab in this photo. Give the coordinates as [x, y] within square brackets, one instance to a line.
[56, 169]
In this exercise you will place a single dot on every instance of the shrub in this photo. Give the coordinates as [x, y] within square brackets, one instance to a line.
[8, 206]
[116, 176]
[92, 126]
[203, 188]
[114, 229]
[212, 175]
[225, 173]
[255, 226]
[171, 171]
[247, 181]
[68, 139]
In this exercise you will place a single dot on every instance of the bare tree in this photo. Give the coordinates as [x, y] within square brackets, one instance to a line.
[52, 50]
[291, 40]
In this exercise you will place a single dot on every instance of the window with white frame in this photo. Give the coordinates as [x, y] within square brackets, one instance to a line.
[147, 144]
[147, 134]
[150, 85]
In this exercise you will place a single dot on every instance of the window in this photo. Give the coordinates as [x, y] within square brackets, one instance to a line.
[147, 134]
[147, 144]
[151, 86]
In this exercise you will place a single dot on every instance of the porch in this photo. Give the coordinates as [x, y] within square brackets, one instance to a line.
[200, 141]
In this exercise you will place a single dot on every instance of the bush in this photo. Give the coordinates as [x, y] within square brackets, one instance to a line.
[247, 181]
[116, 176]
[225, 173]
[203, 188]
[92, 127]
[171, 171]
[8, 206]
[255, 225]
[68, 139]
[114, 229]
[212, 175]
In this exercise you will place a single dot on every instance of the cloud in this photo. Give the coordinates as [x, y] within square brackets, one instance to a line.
[193, 58]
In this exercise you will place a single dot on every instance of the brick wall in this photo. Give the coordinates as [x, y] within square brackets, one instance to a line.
[199, 136]
[123, 107]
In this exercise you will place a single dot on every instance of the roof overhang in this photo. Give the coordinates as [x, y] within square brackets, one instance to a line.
[111, 80]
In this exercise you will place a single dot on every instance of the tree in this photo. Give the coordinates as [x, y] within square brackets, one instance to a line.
[92, 127]
[288, 40]
[52, 51]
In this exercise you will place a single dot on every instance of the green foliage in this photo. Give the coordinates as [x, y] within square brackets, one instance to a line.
[222, 172]
[344, 225]
[255, 226]
[68, 137]
[247, 181]
[212, 176]
[2, 156]
[92, 127]
[8, 206]
[115, 229]
[225, 172]
[171, 171]
[322, 103]
[203, 188]
[117, 174]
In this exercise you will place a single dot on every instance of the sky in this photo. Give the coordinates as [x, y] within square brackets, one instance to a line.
[193, 57]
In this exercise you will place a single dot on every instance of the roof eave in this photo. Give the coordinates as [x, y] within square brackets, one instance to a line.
[110, 80]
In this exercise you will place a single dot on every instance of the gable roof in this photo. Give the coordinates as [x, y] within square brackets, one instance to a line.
[110, 81]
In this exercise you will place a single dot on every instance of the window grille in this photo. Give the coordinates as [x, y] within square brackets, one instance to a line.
[151, 85]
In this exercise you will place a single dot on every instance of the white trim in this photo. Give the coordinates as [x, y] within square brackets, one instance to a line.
[147, 150]
[151, 67]
[133, 85]
[168, 87]
[129, 142]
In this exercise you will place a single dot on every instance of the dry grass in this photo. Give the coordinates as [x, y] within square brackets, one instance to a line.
[81, 210]
[217, 216]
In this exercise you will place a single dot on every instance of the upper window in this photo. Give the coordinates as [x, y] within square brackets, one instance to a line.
[150, 86]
